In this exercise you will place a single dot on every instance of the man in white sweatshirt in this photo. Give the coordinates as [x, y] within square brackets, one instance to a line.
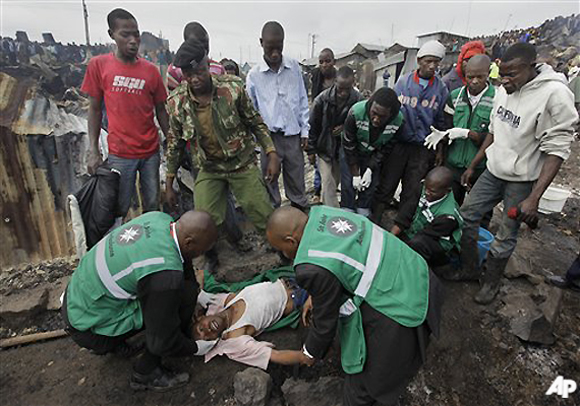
[530, 133]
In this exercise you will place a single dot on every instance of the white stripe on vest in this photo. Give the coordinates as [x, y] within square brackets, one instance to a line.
[109, 280]
[372, 263]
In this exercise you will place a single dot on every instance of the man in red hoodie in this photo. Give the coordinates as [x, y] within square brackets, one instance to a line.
[455, 78]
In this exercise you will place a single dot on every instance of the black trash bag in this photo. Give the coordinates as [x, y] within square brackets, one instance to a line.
[97, 200]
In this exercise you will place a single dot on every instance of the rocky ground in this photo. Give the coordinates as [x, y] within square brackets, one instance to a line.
[481, 358]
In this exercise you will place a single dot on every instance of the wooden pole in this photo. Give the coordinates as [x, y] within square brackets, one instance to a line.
[31, 338]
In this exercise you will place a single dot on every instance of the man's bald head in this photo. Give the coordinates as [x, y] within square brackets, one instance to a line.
[440, 174]
[438, 183]
[273, 28]
[196, 233]
[479, 60]
[285, 228]
[477, 73]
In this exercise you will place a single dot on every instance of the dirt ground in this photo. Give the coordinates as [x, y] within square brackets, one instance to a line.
[476, 360]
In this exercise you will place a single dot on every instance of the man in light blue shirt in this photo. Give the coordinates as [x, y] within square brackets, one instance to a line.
[277, 90]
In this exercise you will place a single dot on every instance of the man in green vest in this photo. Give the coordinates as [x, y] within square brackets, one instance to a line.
[468, 111]
[141, 276]
[376, 290]
[435, 232]
[367, 139]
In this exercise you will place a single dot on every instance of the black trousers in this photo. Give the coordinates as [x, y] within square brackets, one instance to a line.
[101, 345]
[394, 355]
[407, 163]
[429, 248]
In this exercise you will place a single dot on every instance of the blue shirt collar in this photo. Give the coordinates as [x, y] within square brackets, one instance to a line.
[264, 66]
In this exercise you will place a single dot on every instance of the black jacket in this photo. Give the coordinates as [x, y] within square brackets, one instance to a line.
[324, 117]
[317, 82]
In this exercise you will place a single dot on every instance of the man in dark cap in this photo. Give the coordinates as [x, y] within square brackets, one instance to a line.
[215, 114]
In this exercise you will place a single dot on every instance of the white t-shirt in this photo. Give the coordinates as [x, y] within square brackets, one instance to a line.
[265, 305]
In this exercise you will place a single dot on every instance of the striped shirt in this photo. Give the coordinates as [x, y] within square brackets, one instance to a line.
[280, 97]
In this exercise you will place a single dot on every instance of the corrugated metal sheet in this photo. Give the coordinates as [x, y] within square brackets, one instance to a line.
[42, 160]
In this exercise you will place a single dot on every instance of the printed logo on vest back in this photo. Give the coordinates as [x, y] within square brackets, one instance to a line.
[130, 235]
[341, 227]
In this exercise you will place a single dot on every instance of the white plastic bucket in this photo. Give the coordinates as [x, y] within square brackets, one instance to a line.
[553, 200]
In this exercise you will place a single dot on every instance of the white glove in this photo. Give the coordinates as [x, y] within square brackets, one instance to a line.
[356, 183]
[204, 299]
[433, 139]
[366, 179]
[458, 133]
[204, 346]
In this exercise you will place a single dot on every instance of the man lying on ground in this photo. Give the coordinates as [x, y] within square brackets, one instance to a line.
[234, 319]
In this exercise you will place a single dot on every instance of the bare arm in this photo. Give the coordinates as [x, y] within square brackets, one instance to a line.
[95, 118]
[290, 357]
[466, 177]
[529, 207]
[162, 118]
[477, 138]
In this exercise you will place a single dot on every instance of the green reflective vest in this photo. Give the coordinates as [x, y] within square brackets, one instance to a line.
[462, 151]
[425, 215]
[362, 125]
[373, 266]
[102, 293]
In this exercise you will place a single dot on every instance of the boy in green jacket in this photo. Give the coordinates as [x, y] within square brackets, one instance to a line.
[435, 232]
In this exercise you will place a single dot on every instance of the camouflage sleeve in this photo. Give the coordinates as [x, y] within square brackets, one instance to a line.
[252, 119]
[175, 142]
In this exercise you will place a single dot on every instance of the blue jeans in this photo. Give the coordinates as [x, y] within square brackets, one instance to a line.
[348, 199]
[148, 169]
[487, 192]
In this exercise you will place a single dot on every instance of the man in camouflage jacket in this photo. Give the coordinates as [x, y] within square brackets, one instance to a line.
[215, 117]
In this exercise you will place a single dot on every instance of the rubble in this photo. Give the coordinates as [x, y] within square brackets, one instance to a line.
[327, 391]
[529, 320]
[252, 387]
[518, 266]
[55, 292]
[23, 305]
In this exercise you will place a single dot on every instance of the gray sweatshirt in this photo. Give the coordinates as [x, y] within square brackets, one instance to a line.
[527, 125]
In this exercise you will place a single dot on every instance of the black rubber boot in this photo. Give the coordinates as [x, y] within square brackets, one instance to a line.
[159, 380]
[469, 256]
[491, 279]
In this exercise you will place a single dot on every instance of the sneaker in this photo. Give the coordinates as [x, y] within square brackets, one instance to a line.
[159, 380]
[563, 283]
[126, 350]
